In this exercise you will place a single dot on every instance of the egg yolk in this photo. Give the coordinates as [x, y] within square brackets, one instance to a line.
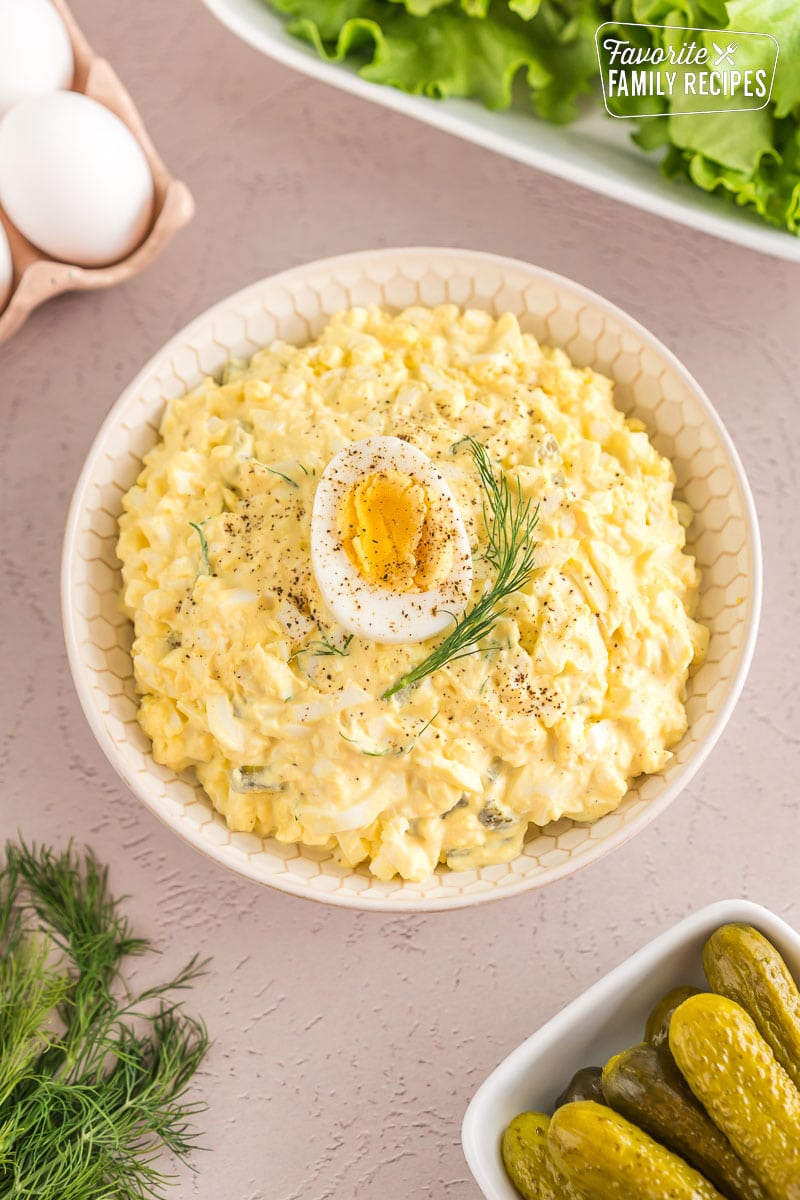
[396, 533]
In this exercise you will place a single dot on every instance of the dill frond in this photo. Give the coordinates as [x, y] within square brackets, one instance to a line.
[399, 751]
[510, 550]
[323, 647]
[274, 471]
[197, 526]
[93, 1077]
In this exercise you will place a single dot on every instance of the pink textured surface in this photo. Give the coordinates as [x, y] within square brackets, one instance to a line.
[347, 1045]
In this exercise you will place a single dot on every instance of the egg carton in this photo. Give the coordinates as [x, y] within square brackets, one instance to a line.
[36, 277]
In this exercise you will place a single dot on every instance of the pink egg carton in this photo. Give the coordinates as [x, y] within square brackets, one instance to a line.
[36, 277]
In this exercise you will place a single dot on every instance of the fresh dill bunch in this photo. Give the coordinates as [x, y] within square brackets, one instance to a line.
[510, 550]
[93, 1076]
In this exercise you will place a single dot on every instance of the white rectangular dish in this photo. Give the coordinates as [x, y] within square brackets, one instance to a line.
[605, 1019]
[595, 152]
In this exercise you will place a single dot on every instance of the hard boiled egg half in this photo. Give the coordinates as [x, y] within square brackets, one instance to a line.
[389, 549]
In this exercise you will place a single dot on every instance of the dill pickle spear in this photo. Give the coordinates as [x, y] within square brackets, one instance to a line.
[605, 1157]
[527, 1160]
[743, 1088]
[645, 1085]
[743, 965]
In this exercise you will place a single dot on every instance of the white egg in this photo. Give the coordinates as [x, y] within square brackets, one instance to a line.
[35, 51]
[366, 608]
[6, 269]
[73, 179]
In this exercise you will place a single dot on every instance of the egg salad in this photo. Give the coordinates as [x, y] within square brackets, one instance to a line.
[313, 560]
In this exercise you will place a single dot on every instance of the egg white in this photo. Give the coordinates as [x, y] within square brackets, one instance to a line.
[364, 608]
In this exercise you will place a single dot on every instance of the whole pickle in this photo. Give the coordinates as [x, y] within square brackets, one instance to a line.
[586, 1084]
[741, 964]
[745, 1091]
[656, 1030]
[528, 1162]
[645, 1085]
[605, 1157]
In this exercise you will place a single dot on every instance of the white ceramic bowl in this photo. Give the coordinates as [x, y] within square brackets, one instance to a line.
[607, 1018]
[595, 151]
[295, 306]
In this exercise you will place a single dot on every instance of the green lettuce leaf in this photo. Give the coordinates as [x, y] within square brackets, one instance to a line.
[749, 158]
[443, 48]
[736, 140]
[687, 13]
[781, 18]
[328, 16]
[772, 190]
[480, 48]
[422, 8]
[527, 9]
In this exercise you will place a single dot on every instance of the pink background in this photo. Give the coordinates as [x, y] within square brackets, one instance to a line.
[347, 1046]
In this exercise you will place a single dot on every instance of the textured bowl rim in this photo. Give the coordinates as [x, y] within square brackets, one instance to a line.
[700, 922]
[393, 903]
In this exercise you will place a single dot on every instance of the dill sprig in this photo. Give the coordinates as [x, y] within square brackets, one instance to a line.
[197, 526]
[399, 751]
[93, 1076]
[274, 471]
[323, 647]
[510, 550]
